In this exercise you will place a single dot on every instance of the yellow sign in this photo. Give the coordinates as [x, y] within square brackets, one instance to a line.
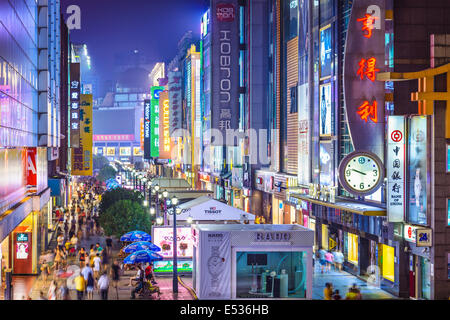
[165, 143]
[137, 151]
[331, 244]
[82, 156]
[110, 151]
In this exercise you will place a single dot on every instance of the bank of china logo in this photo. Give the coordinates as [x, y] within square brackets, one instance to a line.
[225, 12]
[419, 136]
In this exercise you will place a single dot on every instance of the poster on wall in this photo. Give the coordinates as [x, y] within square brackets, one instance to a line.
[418, 169]
[163, 238]
[326, 163]
[215, 252]
[325, 110]
[325, 52]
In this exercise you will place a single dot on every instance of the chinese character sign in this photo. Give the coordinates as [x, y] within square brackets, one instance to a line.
[74, 104]
[165, 142]
[146, 133]
[225, 66]
[364, 60]
[395, 168]
[154, 121]
[82, 156]
[175, 99]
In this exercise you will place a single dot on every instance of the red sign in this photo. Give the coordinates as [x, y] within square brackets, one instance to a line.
[204, 177]
[367, 68]
[31, 167]
[113, 137]
[396, 136]
[368, 24]
[366, 111]
[225, 12]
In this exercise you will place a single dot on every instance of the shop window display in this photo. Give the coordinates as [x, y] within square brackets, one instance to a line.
[271, 274]
[388, 254]
[352, 246]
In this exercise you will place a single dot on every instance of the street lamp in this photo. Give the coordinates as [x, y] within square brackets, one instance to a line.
[175, 211]
[165, 194]
[155, 191]
[144, 180]
[152, 211]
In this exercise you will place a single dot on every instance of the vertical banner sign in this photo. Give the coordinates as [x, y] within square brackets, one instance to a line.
[74, 105]
[364, 59]
[304, 133]
[225, 67]
[147, 127]
[154, 121]
[216, 256]
[142, 132]
[31, 168]
[174, 85]
[164, 122]
[396, 168]
[418, 170]
[82, 156]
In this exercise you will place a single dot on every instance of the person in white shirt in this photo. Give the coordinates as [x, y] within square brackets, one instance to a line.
[103, 285]
[97, 262]
[85, 272]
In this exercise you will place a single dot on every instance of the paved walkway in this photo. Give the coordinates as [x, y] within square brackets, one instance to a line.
[344, 280]
[124, 291]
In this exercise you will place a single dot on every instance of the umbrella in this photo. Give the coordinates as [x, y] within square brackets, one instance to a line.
[141, 245]
[136, 236]
[142, 256]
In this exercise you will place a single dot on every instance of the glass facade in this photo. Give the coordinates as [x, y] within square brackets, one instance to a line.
[18, 73]
[271, 274]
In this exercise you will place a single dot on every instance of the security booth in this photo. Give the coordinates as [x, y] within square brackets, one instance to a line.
[248, 261]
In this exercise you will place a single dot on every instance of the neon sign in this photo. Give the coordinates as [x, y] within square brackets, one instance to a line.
[368, 24]
[166, 122]
[367, 68]
[366, 111]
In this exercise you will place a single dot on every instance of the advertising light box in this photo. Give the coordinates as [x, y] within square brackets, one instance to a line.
[167, 266]
[163, 238]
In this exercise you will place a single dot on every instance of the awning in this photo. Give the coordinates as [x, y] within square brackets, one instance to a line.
[206, 208]
[358, 208]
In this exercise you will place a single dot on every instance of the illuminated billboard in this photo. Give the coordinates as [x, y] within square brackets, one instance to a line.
[325, 52]
[82, 163]
[154, 121]
[165, 142]
[163, 238]
[75, 91]
[147, 128]
[325, 110]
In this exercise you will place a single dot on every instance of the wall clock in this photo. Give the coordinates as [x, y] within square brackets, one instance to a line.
[361, 173]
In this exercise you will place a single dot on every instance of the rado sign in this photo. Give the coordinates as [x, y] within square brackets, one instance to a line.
[272, 236]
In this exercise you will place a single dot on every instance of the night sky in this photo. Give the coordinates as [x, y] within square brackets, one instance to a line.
[153, 27]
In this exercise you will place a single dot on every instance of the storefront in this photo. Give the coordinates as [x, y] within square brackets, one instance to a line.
[205, 181]
[262, 198]
[252, 261]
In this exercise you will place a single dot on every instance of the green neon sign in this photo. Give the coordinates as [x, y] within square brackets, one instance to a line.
[154, 121]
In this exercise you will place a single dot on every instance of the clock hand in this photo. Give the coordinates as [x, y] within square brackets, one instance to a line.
[359, 172]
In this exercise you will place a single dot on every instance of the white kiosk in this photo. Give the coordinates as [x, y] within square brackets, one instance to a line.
[243, 261]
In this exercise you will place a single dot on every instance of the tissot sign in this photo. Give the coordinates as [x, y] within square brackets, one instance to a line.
[213, 210]
[364, 59]
[225, 62]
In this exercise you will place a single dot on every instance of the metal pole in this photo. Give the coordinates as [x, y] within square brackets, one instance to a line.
[145, 198]
[175, 262]
[165, 212]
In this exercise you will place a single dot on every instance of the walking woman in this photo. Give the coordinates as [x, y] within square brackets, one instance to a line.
[82, 257]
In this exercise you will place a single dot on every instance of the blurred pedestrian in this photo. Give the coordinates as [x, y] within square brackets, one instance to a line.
[82, 257]
[90, 285]
[336, 295]
[105, 260]
[328, 291]
[64, 291]
[338, 259]
[103, 285]
[60, 241]
[51, 295]
[115, 276]
[109, 245]
[97, 262]
[322, 259]
[329, 259]
[80, 286]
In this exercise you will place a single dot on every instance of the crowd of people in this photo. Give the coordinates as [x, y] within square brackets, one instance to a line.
[80, 221]
[329, 293]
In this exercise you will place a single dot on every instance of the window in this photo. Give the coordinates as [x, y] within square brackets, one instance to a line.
[352, 246]
[448, 212]
[388, 257]
[253, 278]
[294, 108]
[448, 158]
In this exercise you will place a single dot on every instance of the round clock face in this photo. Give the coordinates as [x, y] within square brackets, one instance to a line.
[361, 173]
[215, 265]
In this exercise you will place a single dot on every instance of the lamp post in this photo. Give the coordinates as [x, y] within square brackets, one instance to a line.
[175, 211]
[144, 180]
[155, 191]
[165, 194]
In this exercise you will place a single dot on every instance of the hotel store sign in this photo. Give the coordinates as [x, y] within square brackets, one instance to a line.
[225, 64]
[272, 236]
